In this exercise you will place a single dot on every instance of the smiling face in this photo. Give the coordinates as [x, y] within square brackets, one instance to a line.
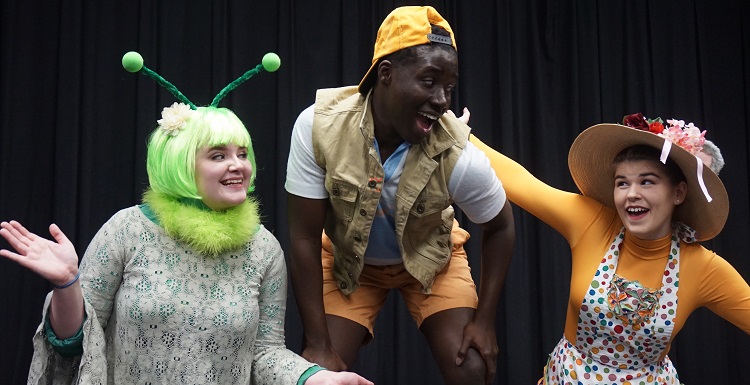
[412, 94]
[645, 197]
[222, 175]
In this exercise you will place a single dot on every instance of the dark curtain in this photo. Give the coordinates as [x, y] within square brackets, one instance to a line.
[73, 126]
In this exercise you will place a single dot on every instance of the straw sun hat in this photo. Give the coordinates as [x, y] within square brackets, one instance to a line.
[590, 162]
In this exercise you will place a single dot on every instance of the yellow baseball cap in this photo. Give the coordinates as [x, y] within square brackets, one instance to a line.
[406, 27]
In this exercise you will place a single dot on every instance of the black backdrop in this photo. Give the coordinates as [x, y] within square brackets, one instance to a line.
[73, 126]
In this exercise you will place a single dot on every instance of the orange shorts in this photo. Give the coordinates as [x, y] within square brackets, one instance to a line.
[452, 288]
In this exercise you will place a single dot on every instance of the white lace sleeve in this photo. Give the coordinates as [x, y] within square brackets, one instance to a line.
[49, 367]
[101, 272]
[273, 363]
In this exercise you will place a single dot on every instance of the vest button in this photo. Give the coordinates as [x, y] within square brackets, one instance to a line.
[343, 285]
[336, 191]
[358, 238]
[420, 208]
[371, 184]
[363, 212]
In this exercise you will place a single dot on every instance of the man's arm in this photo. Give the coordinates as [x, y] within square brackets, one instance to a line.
[306, 218]
[498, 237]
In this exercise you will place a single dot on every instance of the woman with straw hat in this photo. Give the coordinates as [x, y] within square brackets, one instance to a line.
[646, 202]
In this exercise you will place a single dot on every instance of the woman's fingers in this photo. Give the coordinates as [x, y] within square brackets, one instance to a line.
[59, 236]
[14, 237]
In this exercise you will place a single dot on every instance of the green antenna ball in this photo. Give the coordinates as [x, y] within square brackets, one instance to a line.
[271, 62]
[132, 61]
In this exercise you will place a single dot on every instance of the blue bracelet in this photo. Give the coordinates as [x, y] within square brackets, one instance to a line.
[69, 283]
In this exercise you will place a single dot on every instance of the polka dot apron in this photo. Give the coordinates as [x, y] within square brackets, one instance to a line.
[623, 327]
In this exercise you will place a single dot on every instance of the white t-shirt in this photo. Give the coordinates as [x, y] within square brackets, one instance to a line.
[473, 186]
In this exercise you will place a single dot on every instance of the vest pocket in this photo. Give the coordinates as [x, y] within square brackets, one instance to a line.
[423, 208]
[343, 198]
[427, 235]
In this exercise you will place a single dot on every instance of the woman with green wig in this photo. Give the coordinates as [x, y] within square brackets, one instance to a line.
[187, 287]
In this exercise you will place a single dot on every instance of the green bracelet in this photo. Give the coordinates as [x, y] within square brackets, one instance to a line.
[308, 373]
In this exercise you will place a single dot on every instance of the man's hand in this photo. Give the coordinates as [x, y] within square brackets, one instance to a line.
[484, 340]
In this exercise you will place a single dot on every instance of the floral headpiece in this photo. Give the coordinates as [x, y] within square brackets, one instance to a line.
[174, 117]
[687, 136]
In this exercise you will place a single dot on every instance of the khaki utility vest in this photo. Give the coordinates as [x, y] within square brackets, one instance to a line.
[344, 146]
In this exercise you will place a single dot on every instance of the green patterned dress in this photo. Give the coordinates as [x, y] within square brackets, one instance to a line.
[157, 313]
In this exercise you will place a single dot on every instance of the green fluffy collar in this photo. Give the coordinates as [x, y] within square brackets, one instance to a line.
[207, 231]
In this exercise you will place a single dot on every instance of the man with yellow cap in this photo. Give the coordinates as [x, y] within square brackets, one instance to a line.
[377, 167]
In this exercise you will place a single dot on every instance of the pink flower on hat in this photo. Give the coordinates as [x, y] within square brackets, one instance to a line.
[687, 136]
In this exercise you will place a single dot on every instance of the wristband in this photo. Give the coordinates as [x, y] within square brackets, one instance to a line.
[69, 283]
[308, 373]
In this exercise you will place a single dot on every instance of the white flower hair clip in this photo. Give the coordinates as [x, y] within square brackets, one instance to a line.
[174, 117]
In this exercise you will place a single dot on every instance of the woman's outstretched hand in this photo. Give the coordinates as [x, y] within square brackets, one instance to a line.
[55, 261]
[464, 116]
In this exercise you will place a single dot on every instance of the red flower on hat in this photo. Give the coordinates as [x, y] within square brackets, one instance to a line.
[636, 121]
[657, 127]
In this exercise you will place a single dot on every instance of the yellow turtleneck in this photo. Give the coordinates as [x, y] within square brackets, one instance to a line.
[705, 279]
[644, 260]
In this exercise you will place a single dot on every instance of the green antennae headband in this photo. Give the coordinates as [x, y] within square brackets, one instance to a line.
[133, 62]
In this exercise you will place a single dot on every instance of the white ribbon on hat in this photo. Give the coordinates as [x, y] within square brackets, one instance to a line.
[665, 150]
[699, 173]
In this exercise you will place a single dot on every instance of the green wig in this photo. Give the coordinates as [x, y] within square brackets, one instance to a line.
[170, 161]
